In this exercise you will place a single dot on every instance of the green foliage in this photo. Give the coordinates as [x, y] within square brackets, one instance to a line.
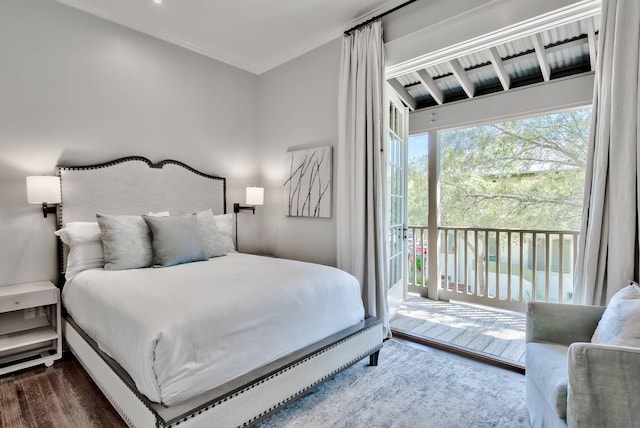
[526, 173]
[418, 191]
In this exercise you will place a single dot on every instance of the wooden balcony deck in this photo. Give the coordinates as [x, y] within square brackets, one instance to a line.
[493, 333]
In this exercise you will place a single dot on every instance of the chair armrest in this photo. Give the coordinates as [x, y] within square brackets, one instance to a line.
[603, 386]
[562, 324]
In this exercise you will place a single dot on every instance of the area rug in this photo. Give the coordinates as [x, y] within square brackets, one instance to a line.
[411, 387]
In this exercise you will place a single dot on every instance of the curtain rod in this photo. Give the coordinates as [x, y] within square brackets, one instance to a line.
[375, 18]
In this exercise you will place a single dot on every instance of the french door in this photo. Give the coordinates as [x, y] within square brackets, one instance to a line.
[397, 135]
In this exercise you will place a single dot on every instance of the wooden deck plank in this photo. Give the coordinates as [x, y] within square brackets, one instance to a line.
[465, 338]
[495, 332]
[451, 333]
[515, 351]
[424, 328]
[481, 342]
[497, 346]
[406, 323]
[437, 331]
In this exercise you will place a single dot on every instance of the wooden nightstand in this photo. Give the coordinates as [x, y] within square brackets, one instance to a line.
[30, 327]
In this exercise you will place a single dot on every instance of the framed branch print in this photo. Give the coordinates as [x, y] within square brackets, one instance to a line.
[308, 177]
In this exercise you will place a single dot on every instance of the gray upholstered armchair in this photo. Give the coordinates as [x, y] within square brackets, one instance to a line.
[572, 382]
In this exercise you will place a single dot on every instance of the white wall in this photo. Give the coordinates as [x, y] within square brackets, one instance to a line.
[78, 89]
[297, 105]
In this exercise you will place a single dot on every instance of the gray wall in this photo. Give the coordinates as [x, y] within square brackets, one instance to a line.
[78, 89]
[298, 109]
[75, 88]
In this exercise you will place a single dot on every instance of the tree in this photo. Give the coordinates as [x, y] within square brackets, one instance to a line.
[418, 191]
[526, 173]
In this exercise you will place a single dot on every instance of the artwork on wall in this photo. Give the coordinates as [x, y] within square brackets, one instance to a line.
[308, 182]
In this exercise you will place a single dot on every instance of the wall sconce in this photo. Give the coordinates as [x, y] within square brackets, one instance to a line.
[44, 190]
[254, 196]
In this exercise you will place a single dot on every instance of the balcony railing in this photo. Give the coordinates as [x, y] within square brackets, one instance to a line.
[502, 268]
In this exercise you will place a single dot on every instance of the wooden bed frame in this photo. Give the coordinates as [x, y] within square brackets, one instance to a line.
[115, 187]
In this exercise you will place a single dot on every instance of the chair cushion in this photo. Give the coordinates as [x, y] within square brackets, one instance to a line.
[546, 366]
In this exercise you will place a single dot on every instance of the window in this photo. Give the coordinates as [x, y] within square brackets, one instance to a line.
[510, 206]
[526, 173]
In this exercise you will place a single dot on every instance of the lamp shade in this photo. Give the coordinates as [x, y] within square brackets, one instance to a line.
[255, 196]
[42, 189]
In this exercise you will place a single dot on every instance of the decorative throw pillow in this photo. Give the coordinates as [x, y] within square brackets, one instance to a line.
[126, 242]
[620, 323]
[175, 240]
[212, 239]
[84, 240]
[225, 226]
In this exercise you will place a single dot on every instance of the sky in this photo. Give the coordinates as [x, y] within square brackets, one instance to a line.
[418, 145]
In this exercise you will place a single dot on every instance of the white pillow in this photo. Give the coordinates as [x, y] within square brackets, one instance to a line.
[158, 214]
[85, 247]
[225, 226]
[215, 245]
[620, 323]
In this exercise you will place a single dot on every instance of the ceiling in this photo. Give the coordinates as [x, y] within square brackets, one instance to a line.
[564, 50]
[254, 35]
[258, 35]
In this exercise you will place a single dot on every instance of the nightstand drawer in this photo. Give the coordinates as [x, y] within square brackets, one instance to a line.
[14, 298]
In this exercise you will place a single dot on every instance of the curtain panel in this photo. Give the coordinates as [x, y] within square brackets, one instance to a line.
[608, 245]
[361, 177]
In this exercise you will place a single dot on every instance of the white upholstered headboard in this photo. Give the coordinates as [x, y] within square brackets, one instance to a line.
[135, 186]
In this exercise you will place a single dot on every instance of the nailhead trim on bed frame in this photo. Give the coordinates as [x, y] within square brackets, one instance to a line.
[284, 370]
[160, 422]
[313, 385]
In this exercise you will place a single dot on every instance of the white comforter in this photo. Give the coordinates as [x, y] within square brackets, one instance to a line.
[182, 330]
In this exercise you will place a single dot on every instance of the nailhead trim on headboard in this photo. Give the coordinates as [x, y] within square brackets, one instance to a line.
[159, 165]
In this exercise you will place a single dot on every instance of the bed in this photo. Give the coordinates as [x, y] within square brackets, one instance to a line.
[220, 341]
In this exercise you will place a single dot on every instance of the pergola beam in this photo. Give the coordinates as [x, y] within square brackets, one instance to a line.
[541, 54]
[463, 78]
[431, 86]
[532, 56]
[501, 71]
[404, 95]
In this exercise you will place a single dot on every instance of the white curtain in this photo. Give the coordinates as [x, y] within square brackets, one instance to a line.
[607, 252]
[361, 200]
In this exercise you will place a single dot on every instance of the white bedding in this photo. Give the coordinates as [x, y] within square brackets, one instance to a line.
[182, 330]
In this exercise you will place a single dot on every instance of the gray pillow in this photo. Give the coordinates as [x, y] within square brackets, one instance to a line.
[212, 239]
[175, 240]
[126, 242]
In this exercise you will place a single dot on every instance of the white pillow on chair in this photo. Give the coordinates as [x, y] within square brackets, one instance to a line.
[620, 323]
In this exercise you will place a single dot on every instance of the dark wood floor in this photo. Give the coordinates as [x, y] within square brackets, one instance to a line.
[59, 396]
